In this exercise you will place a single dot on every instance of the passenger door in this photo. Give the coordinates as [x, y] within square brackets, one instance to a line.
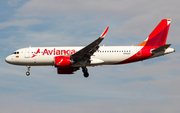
[27, 52]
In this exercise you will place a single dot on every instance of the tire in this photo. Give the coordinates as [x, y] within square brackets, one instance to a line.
[27, 73]
[86, 75]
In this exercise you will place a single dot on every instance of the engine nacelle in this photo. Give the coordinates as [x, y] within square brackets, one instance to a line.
[62, 61]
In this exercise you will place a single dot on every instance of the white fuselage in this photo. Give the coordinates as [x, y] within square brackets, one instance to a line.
[105, 55]
[37, 56]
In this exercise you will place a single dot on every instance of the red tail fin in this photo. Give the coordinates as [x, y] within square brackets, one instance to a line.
[159, 34]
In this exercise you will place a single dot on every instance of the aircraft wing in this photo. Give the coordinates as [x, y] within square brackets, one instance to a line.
[83, 55]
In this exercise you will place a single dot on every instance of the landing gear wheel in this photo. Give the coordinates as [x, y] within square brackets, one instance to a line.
[86, 74]
[27, 73]
[28, 68]
[85, 71]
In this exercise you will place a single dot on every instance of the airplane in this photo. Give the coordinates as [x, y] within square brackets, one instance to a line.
[67, 60]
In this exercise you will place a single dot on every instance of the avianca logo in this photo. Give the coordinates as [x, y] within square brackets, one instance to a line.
[54, 52]
[38, 51]
[60, 61]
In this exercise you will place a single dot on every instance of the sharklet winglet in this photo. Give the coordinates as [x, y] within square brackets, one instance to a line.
[104, 33]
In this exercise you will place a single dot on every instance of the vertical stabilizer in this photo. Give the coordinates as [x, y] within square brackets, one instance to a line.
[159, 35]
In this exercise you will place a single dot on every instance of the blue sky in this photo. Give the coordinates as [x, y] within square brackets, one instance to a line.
[143, 87]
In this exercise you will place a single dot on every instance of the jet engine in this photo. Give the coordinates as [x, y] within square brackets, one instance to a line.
[62, 61]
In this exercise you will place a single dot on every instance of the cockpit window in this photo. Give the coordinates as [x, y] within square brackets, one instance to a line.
[16, 53]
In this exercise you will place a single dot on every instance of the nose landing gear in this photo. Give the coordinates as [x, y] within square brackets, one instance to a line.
[28, 73]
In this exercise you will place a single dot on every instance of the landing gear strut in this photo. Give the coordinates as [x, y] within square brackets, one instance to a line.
[28, 73]
[85, 71]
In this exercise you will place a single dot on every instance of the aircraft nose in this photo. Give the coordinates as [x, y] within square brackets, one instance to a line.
[8, 59]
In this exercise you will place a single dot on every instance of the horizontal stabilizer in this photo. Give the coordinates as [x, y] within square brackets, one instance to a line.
[162, 48]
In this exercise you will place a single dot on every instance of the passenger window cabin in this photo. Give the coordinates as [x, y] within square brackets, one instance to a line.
[113, 51]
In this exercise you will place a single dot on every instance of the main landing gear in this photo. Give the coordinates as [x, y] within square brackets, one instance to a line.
[85, 71]
[28, 73]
